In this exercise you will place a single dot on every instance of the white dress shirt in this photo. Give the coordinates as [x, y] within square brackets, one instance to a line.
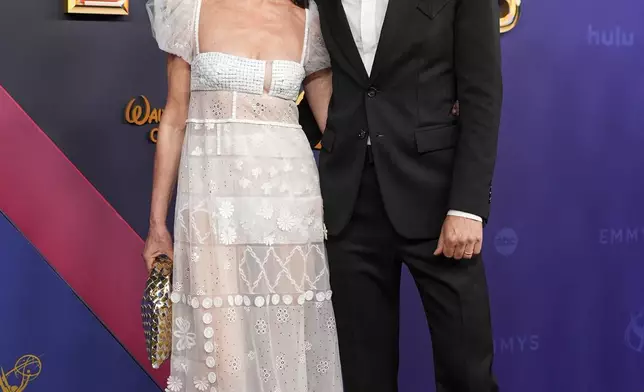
[365, 19]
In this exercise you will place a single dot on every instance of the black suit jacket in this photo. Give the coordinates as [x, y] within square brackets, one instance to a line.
[431, 53]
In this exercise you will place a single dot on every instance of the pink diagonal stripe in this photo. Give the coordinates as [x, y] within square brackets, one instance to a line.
[73, 226]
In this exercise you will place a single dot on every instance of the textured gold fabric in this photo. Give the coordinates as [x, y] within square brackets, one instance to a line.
[156, 311]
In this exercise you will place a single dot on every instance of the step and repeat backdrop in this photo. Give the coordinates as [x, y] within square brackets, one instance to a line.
[81, 96]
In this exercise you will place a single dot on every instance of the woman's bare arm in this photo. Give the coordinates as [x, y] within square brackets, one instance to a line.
[170, 139]
[318, 88]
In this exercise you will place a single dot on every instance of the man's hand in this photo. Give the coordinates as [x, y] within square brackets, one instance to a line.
[461, 238]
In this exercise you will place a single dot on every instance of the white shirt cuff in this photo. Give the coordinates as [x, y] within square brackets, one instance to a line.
[465, 215]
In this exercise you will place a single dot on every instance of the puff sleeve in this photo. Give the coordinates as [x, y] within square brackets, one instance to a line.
[174, 26]
[317, 57]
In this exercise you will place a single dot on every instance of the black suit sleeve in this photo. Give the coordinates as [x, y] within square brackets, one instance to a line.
[479, 90]
[308, 123]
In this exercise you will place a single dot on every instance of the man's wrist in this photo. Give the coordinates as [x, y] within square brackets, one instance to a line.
[463, 214]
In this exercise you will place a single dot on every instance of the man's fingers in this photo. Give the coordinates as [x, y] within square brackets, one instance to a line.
[439, 247]
[478, 245]
[438, 250]
[450, 246]
[469, 250]
[448, 252]
[459, 250]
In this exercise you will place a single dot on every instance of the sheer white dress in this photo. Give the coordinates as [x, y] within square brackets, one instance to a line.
[251, 295]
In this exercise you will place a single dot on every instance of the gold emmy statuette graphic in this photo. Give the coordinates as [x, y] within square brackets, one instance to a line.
[97, 7]
[26, 369]
[510, 12]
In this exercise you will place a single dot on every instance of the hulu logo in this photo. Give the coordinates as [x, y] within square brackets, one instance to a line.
[611, 37]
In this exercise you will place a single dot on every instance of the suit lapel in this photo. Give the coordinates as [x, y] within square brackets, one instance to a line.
[344, 40]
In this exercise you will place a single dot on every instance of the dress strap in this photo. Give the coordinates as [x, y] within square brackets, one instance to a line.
[306, 35]
[196, 26]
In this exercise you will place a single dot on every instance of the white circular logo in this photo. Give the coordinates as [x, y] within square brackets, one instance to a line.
[634, 334]
[506, 241]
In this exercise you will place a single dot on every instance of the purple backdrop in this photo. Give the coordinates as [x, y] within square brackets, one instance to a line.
[564, 247]
[565, 244]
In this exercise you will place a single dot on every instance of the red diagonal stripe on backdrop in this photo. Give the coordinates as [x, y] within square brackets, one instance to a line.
[77, 231]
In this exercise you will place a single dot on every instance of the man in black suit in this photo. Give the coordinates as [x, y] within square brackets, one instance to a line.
[404, 180]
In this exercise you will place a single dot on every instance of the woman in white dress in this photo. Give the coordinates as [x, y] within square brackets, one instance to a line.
[251, 295]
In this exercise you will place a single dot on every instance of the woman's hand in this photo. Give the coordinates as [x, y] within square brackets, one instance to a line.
[159, 242]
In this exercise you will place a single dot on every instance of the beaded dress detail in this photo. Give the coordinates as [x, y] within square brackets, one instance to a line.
[251, 295]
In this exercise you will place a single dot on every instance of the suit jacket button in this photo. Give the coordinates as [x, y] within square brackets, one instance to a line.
[372, 92]
[362, 134]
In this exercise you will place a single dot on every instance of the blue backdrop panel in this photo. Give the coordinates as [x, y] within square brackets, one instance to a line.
[41, 316]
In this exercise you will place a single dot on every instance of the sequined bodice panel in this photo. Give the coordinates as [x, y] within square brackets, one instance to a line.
[215, 71]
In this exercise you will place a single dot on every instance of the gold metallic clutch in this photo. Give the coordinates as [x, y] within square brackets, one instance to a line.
[156, 311]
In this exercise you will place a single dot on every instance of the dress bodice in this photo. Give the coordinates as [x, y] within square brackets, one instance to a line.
[216, 71]
[230, 88]
[175, 25]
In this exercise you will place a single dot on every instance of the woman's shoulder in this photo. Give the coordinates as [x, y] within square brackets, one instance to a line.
[313, 12]
[176, 14]
[173, 25]
[312, 6]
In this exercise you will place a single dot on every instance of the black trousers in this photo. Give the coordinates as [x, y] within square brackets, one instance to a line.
[365, 263]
